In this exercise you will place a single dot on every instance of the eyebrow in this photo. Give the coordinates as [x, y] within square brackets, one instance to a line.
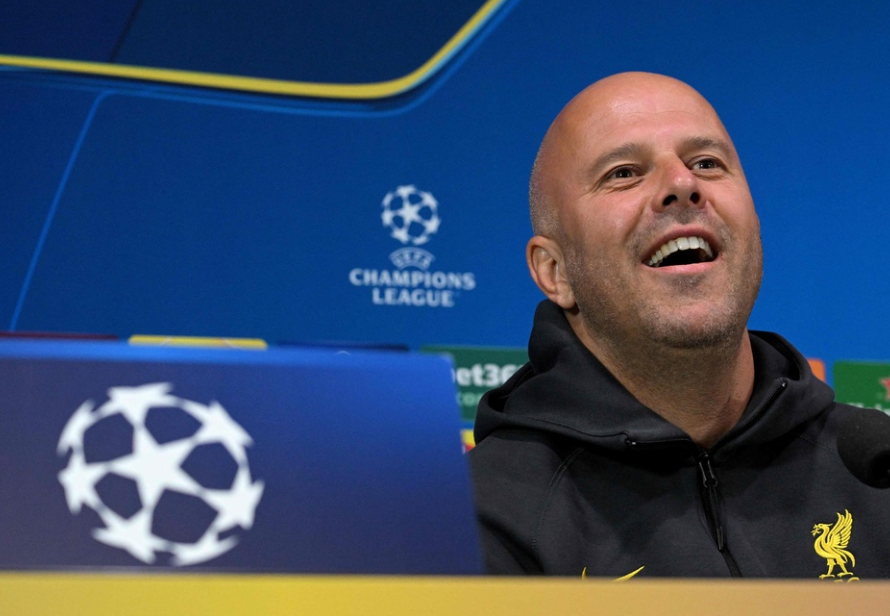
[705, 143]
[623, 151]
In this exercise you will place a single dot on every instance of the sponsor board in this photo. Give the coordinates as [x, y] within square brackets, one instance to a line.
[865, 384]
[475, 371]
[412, 218]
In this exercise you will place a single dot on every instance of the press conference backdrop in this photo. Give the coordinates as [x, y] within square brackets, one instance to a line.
[354, 171]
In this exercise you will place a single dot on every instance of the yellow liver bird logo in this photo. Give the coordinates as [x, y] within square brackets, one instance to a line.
[831, 544]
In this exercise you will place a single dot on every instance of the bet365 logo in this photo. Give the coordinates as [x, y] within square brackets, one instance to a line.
[864, 384]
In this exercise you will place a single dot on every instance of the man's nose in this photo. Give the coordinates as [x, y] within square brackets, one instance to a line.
[680, 186]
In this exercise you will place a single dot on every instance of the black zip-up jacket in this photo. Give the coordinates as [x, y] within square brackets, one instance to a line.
[574, 476]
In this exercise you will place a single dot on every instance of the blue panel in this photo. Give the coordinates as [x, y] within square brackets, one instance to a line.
[39, 129]
[356, 456]
[250, 223]
[350, 41]
[83, 30]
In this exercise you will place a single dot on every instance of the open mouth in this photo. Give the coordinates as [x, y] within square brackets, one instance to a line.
[682, 251]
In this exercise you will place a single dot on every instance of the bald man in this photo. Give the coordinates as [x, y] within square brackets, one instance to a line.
[652, 434]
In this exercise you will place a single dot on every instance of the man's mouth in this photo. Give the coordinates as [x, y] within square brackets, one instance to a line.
[682, 251]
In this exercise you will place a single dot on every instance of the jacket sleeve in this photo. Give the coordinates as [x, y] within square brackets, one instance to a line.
[503, 555]
[507, 494]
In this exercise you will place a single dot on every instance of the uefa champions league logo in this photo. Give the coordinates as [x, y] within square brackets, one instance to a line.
[411, 215]
[158, 469]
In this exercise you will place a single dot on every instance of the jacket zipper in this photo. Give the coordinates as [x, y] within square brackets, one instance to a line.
[711, 503]
[710, 498]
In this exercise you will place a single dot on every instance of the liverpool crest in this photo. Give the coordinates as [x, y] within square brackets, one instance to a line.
[831, 544]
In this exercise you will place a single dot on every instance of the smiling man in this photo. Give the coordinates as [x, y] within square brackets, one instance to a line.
[651, 433]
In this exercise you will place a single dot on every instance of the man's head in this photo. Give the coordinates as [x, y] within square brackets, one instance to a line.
[634, 173]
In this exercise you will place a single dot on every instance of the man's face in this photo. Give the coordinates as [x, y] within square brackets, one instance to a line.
[641, 167]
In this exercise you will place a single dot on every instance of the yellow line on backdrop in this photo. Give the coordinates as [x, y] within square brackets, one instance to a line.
[363, 91]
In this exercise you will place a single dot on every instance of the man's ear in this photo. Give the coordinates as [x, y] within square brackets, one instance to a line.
[548, 270]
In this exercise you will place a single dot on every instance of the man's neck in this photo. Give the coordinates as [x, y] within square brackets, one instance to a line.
[702, 391]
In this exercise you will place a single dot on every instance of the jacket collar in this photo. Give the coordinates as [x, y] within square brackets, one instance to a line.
[565, 390]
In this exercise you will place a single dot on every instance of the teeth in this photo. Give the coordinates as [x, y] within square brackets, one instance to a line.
[681, 243]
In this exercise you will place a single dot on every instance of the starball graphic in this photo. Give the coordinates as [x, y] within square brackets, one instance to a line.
[411, 216]
[139, 462]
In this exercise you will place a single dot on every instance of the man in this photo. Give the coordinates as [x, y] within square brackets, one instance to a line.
[652, 434]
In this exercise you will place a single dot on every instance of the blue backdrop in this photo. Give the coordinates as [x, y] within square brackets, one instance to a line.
[145, 206]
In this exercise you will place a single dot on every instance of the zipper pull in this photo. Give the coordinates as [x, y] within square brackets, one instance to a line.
[709, 479]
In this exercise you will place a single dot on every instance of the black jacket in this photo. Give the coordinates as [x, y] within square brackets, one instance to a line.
[572, 474]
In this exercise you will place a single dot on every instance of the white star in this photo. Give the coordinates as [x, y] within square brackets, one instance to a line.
[401, 235]
[432, 225]
[236, 505]
[72, 434]
[208, 547]
[409, 213]
[406, 191]
[135, 402]
[156, 467]
[133, 535]
[218, 426]
[79, 480]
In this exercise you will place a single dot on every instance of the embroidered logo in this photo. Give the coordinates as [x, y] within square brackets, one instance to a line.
[621, 579]
[831, 544]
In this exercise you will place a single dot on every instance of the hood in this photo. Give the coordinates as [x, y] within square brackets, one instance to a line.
[566, 391]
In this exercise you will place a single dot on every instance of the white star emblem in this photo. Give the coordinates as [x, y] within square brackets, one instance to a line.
[236, 505]
[155, 467]
[78, 479]
[135, 402]
[133, 535]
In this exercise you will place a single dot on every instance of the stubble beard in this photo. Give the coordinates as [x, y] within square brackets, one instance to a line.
[618, 316]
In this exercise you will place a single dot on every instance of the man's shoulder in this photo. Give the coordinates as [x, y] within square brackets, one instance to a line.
[826, 425]
[532, 455]
[514, 473]
[514, 469]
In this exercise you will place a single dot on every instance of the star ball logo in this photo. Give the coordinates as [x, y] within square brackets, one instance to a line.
[412, 217]
[140, 461]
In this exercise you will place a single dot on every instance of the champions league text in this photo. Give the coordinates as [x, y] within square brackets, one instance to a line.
[416, 288]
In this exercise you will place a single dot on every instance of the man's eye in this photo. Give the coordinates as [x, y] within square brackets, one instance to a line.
[707, 163]
[621, 173]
